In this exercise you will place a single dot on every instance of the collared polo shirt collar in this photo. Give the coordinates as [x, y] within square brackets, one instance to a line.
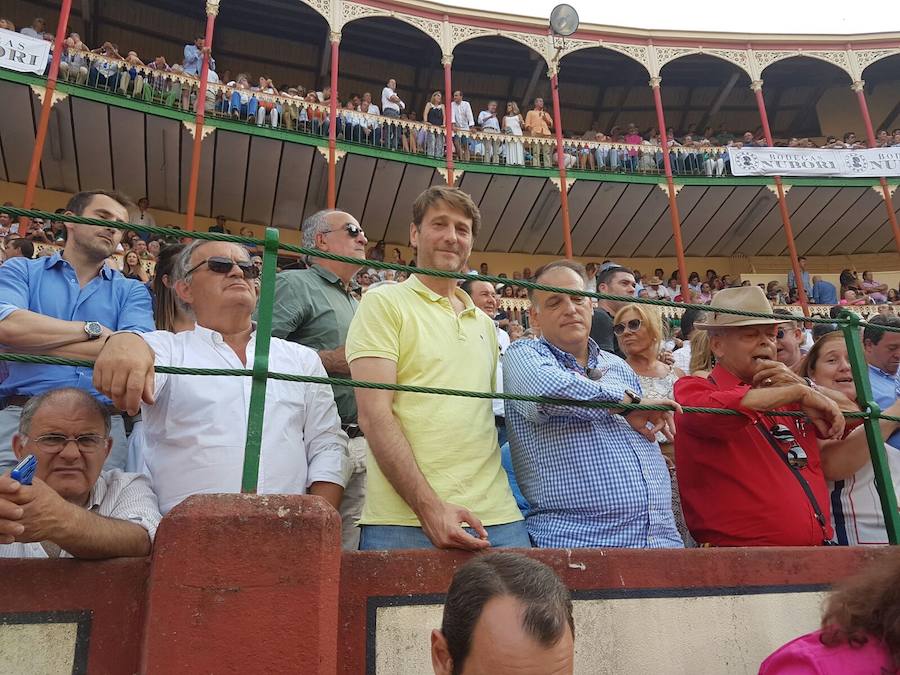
[57, 259]
[327, 275]
[333, 278]
[214, 336]
[878, 371]
[423, 290]
[725, 379]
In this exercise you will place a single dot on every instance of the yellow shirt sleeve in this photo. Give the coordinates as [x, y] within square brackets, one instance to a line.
[375, 329]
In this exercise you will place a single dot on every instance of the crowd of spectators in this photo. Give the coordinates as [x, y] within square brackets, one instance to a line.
[386, 121]
[125, 444]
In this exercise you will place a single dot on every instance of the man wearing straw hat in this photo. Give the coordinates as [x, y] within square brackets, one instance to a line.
[752, 479]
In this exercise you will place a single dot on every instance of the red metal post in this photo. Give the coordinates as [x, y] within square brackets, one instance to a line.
[561, 165]
[858, 87]
[756, 85]
[44, 121]
[448, 115]
[670, 184]
[332, 126]
[212, 10]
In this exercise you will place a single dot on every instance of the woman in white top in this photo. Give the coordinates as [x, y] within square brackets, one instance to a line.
[512, 125]
[638, 329]
[856, 508]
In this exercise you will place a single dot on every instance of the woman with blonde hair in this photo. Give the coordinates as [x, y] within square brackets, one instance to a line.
[434, 115]
[638, 329]
[512, 125]
[702, 360]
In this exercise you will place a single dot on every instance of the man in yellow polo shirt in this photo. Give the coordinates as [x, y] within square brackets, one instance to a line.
[434, 462]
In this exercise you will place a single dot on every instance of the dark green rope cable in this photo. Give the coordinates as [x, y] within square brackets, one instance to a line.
[359, 384]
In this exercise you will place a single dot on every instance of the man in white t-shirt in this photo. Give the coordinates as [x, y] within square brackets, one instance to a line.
[489, 123]
[462, 122]
[391, 105]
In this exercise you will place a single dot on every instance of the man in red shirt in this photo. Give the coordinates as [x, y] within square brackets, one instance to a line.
[752, 479]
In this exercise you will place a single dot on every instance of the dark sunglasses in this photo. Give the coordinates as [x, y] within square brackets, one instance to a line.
[780, 334]
[221, 265]
[352, 229]
[634, 326]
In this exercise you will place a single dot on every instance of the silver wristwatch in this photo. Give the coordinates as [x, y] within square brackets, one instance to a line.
[93, 330]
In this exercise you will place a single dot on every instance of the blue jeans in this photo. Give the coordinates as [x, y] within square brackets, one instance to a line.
[388, 537]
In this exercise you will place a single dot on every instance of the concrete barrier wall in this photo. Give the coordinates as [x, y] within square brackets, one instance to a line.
[247, 584]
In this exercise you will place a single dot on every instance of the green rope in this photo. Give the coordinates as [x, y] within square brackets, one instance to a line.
[359, 384]
[311, 252]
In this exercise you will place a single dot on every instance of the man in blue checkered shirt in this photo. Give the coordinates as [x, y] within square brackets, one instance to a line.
[594, 477]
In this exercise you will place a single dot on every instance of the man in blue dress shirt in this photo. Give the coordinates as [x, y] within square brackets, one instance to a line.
[67, 305]
[823, 292]
[882, 350]
[593, 477]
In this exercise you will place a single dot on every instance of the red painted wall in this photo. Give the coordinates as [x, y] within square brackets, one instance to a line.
[112, 591]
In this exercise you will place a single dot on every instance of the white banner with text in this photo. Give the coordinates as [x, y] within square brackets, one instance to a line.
[23, 53]
[875, 162]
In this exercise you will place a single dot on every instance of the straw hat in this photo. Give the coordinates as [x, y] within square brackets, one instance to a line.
[743, 298]
[654, 281]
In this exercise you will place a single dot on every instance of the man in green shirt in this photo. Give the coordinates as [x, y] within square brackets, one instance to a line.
[314, 307]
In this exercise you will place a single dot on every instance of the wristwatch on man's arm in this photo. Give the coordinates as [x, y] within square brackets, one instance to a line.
[93, 330]
[631, 397]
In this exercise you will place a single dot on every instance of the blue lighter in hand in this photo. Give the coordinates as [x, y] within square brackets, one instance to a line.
[24, 470]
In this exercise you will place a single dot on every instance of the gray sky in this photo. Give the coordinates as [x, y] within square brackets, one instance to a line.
[794, 17]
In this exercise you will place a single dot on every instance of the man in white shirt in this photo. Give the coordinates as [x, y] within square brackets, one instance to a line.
[71, 509]
[141, 216]
[462, 121]
[489, 123]
[391, 105]
[36, 30]
[195, 426]
[485, 298]
[655, 289]
[682, 355]
[366, 106]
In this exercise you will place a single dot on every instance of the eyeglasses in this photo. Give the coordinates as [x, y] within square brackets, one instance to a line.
[352, 229]
[221, 265]
[56, 443]
[780, 334]
[633, 326]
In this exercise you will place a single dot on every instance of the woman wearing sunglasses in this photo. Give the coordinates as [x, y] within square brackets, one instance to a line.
[638, 329]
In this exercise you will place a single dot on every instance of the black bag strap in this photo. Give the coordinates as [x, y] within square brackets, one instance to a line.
[800, 479]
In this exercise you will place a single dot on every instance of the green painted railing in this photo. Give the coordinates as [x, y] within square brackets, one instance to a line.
[848, 322]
